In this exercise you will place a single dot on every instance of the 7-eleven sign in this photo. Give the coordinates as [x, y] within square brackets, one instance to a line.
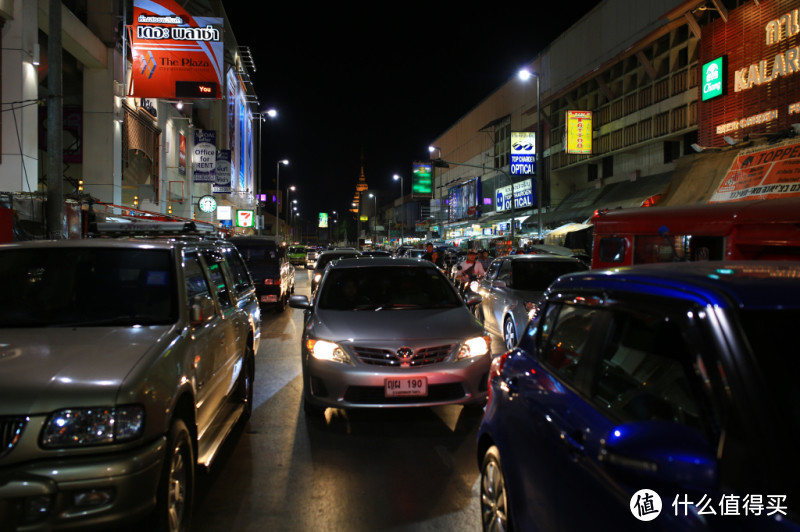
[244, 218]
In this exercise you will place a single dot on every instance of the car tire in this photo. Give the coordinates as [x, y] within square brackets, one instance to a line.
[509, 334]
[310, 409]
[175, 496]
[495, 511]
[244, 387]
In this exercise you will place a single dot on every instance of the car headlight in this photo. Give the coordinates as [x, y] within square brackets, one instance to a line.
[77, 427]
[317, 277]
[325, 350]
[475, 347]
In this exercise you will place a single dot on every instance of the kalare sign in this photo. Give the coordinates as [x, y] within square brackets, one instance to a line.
[175, 55]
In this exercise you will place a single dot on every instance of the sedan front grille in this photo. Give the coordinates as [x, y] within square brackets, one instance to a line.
[386, 357]
[10, 432]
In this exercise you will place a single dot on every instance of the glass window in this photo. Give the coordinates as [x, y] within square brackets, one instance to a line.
[611, 249]
[241, 278]
[504, 273]
[57, 286]
[565, 331]
[386, 288]
[214, 262]
[493, 268]
[196, 282]
[537, 275]
[642, 373]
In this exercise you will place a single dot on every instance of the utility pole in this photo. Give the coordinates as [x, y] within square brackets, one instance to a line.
[55, 104]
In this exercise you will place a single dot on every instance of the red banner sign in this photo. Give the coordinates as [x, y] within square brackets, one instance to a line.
[175, 55]
[765, 174]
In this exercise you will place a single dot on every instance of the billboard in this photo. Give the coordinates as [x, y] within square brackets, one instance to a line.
[463, 201]
[762, 174]
[175, 55]
[523, 196]
[579, 132]
[523, 153]
[421, 181]
[323, 220]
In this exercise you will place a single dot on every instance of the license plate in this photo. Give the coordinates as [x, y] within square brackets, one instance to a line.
[406, 386]
[269, 299]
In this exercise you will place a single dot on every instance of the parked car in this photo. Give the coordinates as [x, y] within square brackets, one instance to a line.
[672, 380]
[125, 365]
[513, 285]
[311, 257]
[297, 255]
[375, 253]
[324, 258]
[390, 332]
[272, 274]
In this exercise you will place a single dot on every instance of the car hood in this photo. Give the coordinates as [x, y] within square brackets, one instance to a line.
[449, 324]
[42, 370]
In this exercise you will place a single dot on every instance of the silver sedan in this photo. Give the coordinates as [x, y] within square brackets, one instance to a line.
[390, 332]
[513, 286]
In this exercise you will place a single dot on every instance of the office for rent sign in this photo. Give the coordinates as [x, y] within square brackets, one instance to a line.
[175, 55]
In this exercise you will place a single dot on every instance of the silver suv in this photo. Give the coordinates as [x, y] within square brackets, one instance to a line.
[124, 364]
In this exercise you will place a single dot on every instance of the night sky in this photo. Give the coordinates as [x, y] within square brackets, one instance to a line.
[382, 80]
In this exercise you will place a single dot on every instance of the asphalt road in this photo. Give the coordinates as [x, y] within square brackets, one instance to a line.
[362, 470]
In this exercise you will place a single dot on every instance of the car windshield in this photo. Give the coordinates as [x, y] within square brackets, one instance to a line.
[387, 288]
[256, 255]
[294, 250]
[84, 287]
[323, 260]
[538, 275]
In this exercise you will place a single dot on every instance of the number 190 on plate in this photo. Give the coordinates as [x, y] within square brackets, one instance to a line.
[406, 386]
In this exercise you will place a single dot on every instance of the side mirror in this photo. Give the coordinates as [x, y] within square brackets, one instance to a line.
[202, 309]
[300, 302]
[663, 452]
[473, 299]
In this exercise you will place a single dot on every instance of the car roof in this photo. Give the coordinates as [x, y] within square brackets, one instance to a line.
[371, 262]
[165, 243]
[745, 284]
[545, 257]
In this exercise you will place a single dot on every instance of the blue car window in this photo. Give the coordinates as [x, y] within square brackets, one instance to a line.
[564, 342]
[642, 373]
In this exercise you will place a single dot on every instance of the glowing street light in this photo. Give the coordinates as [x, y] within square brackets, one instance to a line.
[278, 193]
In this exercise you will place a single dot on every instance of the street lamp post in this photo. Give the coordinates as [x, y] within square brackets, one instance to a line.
[375, 219]
[524, 75]
[289, 205]
[272, 113]
[278, 193]
[402, 208]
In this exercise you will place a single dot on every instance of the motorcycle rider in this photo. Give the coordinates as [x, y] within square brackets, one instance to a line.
[470, 268]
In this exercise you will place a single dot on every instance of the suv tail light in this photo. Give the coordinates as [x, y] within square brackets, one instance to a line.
[495, 370]
[272, 282]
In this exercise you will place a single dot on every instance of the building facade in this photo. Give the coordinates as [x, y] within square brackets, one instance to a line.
[637, 69]
[168, 130]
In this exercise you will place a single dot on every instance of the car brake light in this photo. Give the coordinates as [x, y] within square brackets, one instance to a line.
[497, 366]
[273, 282]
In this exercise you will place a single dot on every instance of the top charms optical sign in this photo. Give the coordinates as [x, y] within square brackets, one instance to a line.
[713, 79]
[523, 153]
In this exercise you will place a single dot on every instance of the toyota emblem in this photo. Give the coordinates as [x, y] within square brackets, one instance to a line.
[405, 355]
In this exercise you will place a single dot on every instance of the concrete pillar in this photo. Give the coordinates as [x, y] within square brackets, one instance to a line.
[19, 159]
[102, 133]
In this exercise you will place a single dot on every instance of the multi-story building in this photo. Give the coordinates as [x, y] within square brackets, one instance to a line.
[147, 128]
[657, 135]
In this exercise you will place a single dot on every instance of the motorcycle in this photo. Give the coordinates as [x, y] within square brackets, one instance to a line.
[468, 288]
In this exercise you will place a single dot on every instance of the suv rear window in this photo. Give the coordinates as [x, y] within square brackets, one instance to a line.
[83, 287]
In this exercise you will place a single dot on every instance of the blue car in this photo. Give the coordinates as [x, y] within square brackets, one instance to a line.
[662, 397]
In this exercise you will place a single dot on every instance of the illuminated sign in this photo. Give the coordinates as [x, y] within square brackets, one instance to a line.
[175, 55]
[421, 181]
[523, 196]
[579, 132]
[244, 218]
[323, 220]
[784, 63]
[713, 79]
[523, 153]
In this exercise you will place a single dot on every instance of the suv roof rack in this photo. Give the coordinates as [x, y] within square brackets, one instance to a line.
[152, 229]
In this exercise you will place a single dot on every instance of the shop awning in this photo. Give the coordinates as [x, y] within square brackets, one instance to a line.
[580, 205]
